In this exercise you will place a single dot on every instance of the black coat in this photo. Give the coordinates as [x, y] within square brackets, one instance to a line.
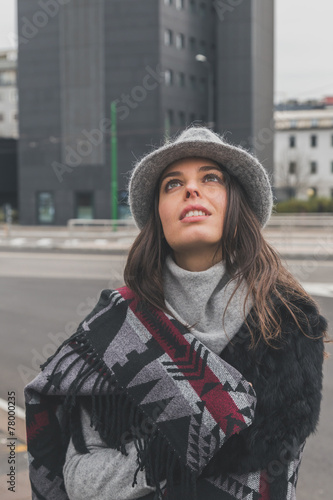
[288, 384]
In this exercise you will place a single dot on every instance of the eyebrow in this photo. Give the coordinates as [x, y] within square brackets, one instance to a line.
[204, 168]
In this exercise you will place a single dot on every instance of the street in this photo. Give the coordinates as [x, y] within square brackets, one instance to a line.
[43, 297]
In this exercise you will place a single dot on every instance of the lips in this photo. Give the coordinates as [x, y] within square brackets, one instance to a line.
[194, 208]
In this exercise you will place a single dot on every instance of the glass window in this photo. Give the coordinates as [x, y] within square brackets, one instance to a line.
[181, 79]
[203, 84]
[292, 141]
[193, 45]
[168, 37]
[314, 122]
[292, 167]
[313, 141]
[7, 77]
[168, 77]
[169, 116]
[293, 123]
[203, 47]
[313, 167]
[180, 4]
[45, 208]
[180, 41]
[84, 205]
[182, 120]
[193, 82]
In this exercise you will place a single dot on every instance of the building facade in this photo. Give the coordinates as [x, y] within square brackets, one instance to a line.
[77, 57]
[8, 94]
[304, 153]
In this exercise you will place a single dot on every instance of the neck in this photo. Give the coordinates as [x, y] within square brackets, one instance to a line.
[196, 262]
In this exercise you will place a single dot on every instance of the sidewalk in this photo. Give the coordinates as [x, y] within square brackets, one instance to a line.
[292, 242]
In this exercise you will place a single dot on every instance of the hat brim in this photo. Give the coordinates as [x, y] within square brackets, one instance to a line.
[239, 163]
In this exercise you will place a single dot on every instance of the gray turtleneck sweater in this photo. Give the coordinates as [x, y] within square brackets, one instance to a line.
[192, 297]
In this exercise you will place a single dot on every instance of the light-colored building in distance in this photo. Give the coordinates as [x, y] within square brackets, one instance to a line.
[303, 155]
[8, 94]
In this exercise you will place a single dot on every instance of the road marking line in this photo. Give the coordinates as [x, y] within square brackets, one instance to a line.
[20, 413]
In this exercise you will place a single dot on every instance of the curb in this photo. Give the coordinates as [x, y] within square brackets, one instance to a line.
[20, 431]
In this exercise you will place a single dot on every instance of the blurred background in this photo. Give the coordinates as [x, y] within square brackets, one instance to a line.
[89, 86]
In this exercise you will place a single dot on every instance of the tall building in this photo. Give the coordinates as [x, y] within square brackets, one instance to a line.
[8, 94]
[165, 63]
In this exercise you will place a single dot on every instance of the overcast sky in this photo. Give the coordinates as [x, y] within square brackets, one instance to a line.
[303, 46]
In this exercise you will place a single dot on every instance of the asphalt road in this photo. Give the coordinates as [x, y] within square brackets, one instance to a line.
[44, 296]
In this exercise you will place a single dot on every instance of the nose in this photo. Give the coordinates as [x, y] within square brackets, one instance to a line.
[192, 190]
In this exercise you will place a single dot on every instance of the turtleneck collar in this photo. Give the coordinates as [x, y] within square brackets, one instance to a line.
[199, 299]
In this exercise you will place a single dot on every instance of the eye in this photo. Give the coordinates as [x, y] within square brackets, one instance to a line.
[213, 177]
[170, 184]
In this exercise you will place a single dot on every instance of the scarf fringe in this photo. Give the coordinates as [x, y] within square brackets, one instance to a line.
[118, 421]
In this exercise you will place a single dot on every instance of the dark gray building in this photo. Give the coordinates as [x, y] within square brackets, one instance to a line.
[77, 56]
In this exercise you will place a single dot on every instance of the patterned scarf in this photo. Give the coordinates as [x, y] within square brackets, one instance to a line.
[147, 379]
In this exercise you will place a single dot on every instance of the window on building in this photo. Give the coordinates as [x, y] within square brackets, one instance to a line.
[180, 4]
[313, 167]
[181, 117]
[203, 47]
[193, 82]
[293, 123]
[292, 141]
[203, 84]
[168, 77]
[180, 41]
[7, 77]
[193, 6]
[331, 140]
[15, 116]
[313, 141]
[168, 2]
[168, 37]
[170, 117]
[193, 45]
[292, 167]
[314, 122]
[181, 79]
[2, 117]
[331, 167]
[45, 207]
[0, 96]
[84, 208]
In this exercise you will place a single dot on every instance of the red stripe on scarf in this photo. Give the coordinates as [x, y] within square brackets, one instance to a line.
[264, 487]
[218, 401]
[41, 420]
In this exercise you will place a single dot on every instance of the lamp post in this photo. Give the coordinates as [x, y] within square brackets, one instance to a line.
[114, 165]
[210, 97]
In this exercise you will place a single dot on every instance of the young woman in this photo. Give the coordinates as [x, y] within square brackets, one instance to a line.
[202, 377]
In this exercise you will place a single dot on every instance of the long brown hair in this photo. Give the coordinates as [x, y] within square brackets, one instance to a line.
[247, 255]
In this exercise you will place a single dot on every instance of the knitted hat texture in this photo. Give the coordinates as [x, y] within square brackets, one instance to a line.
[199, 142]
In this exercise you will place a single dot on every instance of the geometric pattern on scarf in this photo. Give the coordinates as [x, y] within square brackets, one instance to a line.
[152, 370]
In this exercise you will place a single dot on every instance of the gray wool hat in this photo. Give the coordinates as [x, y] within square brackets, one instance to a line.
[199, 142]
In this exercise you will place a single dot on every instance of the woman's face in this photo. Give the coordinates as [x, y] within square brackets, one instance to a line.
[192, 204]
